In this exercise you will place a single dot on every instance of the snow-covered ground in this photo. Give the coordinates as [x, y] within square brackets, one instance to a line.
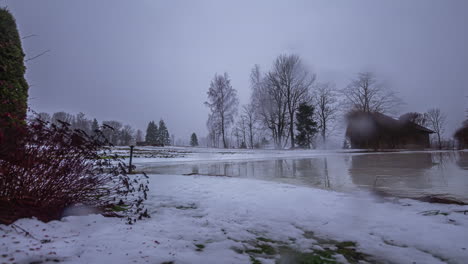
[201, 219]
[167, 155]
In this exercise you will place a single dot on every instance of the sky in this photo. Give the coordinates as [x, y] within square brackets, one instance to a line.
[137, 61]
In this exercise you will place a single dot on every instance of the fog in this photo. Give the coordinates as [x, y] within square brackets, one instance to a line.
[145, 60]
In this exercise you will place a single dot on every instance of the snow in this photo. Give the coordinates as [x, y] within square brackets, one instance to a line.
[225, 213]
[174, 155]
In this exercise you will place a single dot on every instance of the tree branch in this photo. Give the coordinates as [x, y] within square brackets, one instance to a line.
[37, 56]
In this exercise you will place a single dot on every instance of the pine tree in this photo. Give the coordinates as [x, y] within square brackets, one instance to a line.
[13, 85]
[305, 125]
[193, 140]
[163, 135]
[151, 137]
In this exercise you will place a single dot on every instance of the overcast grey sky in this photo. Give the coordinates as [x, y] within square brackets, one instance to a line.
[136, 61]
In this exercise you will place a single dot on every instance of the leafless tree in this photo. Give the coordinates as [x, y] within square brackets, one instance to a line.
[272, 111]
[241, 131]
[62, 116]
[223, 102]
[111, 131]
[214, 130]
[44, 117]
[293, 81]
[139, 136]
[436, 121]
[127, 135]
[82, 123]
[326, 104]
[366, 94]
[248, 113]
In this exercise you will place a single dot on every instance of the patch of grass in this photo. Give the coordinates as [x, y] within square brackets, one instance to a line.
[237, 250]
[119, 208]
[289, 255]
[285, 254]
[187, 207]
[327, 255]
[262, 249]
[433, 212]
[200, 247]
[263, 239]
[346, 244]
[348, 250]
[254, 260]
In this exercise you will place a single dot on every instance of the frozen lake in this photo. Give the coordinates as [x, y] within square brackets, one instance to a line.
[410, 174]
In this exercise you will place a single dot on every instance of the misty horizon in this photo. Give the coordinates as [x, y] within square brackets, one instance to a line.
[152, 60]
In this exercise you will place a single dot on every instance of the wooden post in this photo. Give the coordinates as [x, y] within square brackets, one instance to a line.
[131, 156]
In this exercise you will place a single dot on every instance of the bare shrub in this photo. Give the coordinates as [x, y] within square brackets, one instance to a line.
[55, 167]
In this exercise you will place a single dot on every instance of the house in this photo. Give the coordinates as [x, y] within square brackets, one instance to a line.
[379, 131]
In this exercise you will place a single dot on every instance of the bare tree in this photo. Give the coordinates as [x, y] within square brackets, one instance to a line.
[139, 136]
[82, 123]
[62, 116]
[242, 130]
[223, 102]
[293, 81]
[111, 131]
[436, 121]
[127, 135]
[44, 117]
[269, 106]
[248, 113]
[325, 98]
[272, 111]
[214, 130]
[368, 95]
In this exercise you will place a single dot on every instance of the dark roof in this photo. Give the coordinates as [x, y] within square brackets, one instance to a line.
[418, 127]
[390, 122]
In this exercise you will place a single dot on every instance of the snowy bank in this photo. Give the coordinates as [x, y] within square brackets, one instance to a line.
[197, 219]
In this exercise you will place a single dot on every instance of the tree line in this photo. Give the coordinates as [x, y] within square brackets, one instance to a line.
[116, 132]
[289, 107]
[157, 136]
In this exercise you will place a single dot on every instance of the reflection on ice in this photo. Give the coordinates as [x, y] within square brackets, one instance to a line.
[399, 174]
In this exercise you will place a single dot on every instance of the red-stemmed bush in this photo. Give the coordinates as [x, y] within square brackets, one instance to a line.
[54, 167]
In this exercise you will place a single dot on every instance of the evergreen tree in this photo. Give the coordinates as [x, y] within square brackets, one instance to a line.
[193, 140]
[305, 125]
[13, 85]
[163, 135]
[151, 137]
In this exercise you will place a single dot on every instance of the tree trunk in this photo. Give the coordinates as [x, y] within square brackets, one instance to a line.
[438, 139]
[222, 131]
[324, 130]
[291, 128]
[251, 137]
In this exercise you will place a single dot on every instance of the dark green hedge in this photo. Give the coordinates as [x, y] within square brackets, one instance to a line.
[13, 86]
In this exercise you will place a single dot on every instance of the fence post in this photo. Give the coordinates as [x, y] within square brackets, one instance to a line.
[131, 156]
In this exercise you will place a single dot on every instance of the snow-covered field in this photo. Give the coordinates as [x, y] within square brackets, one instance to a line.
[201, 219]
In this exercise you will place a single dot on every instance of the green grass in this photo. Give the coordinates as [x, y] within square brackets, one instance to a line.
[254, 260]
[119, 208]
[285, 252]
[200, 247]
